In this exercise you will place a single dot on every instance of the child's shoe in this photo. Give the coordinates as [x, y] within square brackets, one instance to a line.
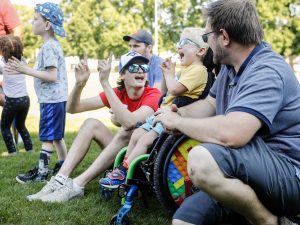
[32, 176]
[114, 179]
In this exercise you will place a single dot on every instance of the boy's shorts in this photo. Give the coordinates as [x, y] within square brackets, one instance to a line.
[149, 125]
[52, 121]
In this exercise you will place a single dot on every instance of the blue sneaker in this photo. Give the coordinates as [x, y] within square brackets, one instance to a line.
[114, 179]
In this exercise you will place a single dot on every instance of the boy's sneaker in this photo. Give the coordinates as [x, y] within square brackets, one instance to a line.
[56, 167]
[32, 176]
[50, 187]
[63, 194]
[114, 179]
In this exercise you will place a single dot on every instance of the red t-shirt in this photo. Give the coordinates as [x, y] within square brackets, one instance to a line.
[150, 98]
[9, 18]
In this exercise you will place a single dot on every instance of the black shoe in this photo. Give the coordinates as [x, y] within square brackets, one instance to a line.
[57, 167]
[32, 176]
[285, 221]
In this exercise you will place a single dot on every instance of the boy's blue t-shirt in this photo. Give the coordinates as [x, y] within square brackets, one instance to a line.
[155, 73]
[269, 90]
[51, 55]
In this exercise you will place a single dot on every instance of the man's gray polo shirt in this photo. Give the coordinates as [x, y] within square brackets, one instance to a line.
[267, 88]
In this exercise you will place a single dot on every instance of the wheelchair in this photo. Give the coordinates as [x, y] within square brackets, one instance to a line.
[163, 172]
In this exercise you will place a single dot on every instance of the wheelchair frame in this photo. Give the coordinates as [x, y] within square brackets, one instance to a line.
[163, 172]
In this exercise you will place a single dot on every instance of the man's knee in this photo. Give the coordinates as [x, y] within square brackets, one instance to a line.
[180, 222]
[201, 166]
[123, 134]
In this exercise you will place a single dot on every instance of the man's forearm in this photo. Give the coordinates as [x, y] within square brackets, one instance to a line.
[198, 109]
[122, 114]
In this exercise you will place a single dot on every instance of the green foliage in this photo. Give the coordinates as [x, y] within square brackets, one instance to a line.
[280, 26]
[97, 26]
[30, 41]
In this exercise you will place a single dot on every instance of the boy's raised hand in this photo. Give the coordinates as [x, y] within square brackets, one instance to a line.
[82, 71]
[104, 67]
[168, 67]
[15, 66]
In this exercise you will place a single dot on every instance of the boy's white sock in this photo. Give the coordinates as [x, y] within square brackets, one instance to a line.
[60, 179]
[77, 188]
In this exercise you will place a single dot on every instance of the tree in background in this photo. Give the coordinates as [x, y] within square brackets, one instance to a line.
[30, 41]
[281, 24]
[97, 26]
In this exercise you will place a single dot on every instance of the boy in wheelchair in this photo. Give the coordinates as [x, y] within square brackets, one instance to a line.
[180, 89]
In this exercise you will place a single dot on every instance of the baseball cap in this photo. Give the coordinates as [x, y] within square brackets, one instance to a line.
[140, 36]
[128, 57]
[54, 15]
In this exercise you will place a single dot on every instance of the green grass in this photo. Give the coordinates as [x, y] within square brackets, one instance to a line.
[88, 210]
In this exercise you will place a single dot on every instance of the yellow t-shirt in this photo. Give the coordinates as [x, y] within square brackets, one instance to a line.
[194, 78]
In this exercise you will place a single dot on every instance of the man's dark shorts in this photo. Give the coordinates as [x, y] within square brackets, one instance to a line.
[274, 178]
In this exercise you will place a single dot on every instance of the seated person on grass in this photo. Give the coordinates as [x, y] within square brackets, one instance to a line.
[189, 84]
[132, 101]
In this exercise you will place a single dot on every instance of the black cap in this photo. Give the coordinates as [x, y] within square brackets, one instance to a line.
[140, 36]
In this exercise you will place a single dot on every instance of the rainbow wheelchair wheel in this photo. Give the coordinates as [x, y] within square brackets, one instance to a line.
[171, 182]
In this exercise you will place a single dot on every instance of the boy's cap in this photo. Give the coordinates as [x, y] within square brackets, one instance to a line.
[54, 15]
[128, 57]
[140, 36]
[195, 35]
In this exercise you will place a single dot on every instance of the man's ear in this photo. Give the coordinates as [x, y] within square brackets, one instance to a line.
[224, 37]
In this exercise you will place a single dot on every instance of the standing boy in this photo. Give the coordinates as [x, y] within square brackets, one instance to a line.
[51, 87]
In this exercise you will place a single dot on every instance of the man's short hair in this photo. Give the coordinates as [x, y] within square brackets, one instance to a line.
[238, 17]
[140, 36]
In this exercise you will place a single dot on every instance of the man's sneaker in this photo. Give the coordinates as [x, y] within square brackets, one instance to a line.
[50, 187]
[32, 176]
[56, 167]
[63, 194]
[114, 179]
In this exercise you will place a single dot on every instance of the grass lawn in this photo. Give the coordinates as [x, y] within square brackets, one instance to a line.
[91, 209]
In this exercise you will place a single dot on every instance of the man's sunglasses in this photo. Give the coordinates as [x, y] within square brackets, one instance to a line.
[205, 36]
[184, 42]
[134, 68]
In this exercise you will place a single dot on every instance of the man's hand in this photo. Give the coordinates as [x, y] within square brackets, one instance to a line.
[168, 118]
[82, 71]
[104, 67]
[15, 66]
[168, 67]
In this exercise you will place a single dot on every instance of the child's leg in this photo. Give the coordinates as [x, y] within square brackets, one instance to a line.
[45, 156]
[21, 116]
[61, 149]
[136, 135]
[7, 118]
[142, 145]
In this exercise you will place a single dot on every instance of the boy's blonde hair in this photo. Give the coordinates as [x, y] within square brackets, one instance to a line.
[195, 35]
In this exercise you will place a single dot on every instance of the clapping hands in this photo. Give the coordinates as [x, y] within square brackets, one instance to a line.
[168, 67]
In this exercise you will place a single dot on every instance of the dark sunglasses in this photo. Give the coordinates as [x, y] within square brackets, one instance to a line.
[205, 36]
[184, 42]
[134, 68]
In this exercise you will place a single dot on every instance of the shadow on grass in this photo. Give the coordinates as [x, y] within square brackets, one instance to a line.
[89, 210]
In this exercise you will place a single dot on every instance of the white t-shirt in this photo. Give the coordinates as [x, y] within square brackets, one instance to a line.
[14, 86]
